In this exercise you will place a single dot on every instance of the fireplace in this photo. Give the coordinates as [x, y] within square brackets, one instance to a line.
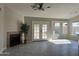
[13, 39]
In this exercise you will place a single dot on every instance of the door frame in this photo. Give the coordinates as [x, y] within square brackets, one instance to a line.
[40, 25]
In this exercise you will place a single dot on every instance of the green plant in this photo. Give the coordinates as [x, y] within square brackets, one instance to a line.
[24, 29]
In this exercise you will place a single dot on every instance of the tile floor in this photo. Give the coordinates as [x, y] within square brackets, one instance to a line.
[44, 48]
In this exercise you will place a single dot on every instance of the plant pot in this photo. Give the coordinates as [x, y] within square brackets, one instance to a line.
[22, 38]
[25, 41]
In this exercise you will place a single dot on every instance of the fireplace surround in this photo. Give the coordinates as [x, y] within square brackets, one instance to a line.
[13, 39]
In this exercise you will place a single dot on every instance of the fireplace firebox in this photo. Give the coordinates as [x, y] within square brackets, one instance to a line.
[13, 39]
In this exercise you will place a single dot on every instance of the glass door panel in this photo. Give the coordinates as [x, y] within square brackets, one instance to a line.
[36, 31]
[44, 31]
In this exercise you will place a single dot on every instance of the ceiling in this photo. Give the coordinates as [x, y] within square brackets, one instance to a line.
[57, 10]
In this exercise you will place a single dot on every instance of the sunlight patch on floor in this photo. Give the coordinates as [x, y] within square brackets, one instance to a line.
[60, 41]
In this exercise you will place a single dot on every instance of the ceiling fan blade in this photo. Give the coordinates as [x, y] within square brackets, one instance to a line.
[48, 7]
[40, 5]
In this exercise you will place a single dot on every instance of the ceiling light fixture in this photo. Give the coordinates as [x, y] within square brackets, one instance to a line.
[39, 6]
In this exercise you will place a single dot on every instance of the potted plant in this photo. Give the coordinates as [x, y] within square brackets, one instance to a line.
[24, 30]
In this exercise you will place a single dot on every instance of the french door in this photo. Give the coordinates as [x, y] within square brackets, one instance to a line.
[60, 28]
[40, 30]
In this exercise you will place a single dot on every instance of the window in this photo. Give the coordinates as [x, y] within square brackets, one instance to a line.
[65, 28]
[75, 28]
[57, 28]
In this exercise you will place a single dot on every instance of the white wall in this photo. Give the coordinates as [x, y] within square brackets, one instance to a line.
[8, 22]
[11, 22]
[12, 19]
[1, 27]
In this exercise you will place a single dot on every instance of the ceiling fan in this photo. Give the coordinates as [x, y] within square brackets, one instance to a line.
[39, 6]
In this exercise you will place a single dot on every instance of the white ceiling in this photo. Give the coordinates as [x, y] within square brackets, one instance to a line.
[57, 10]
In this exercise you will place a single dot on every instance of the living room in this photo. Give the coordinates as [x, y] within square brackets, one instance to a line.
[55, 25]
